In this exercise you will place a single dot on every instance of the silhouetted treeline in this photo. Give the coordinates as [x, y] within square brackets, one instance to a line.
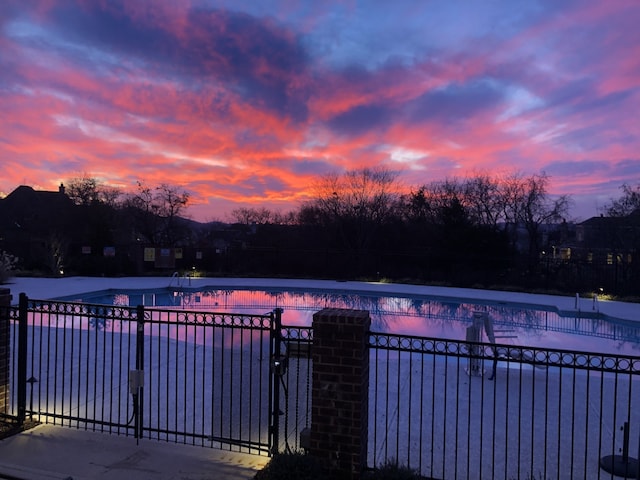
[480, 231]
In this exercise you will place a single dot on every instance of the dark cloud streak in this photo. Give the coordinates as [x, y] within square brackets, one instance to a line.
[255, 58]
[457, 102]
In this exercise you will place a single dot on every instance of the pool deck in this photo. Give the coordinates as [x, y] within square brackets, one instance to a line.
[49, 452]
[47, 288]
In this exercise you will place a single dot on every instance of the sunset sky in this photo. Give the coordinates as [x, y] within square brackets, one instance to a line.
[245, 103]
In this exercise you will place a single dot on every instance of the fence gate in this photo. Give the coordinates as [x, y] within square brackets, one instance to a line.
[194, 377]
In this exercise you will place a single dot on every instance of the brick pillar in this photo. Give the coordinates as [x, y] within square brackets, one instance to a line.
[5, 353]
[340, 389]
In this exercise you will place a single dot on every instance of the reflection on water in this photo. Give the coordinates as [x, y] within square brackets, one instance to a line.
[421, 316]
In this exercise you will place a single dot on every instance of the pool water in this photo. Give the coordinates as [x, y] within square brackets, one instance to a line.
[530, 326]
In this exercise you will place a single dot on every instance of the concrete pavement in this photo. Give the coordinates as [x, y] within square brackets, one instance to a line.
[49, 452]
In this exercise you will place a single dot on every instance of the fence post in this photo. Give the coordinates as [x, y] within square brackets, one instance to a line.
[340, 389]
[276, 369]
[5, 349]
[138, 391]
[21, 381]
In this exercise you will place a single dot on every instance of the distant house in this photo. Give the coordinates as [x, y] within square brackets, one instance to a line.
[36, 210]
[33, 225]
[49, 233]
[609, 239]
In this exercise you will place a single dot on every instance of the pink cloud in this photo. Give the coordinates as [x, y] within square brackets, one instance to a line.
[233, 106]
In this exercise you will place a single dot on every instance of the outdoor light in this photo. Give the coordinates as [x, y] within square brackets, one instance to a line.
[136, 381]
[279, 363]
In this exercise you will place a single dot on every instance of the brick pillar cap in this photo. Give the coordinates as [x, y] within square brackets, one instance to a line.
[343, 312]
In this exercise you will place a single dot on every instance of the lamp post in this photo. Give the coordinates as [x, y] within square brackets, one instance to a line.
[622, 465]
[31, 381]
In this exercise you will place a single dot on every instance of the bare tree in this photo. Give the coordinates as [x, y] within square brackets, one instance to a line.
[355, 203]
[527, 203]
[249, 216]
[110, 196]
[157, 211]
[479, 197]
[87, 190]
[626, 204]
[82, 190]
[287, 218]
[436, 202]
[483, 200]
[170, 202]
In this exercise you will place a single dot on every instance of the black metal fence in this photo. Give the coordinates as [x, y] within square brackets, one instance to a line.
[467, 410]
[450, 409]
[437, 406]
[200, 378]
[295, 384]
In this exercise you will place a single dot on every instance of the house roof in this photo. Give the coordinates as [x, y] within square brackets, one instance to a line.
[25, 204]
[633, 219]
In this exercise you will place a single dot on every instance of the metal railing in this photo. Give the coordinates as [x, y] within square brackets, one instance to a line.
[244, 382]
[296, 386]
[200, 378]
[435, 407]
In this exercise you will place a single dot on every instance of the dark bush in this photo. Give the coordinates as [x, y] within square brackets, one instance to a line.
[299, 466]
[293, 466]
[392, 471]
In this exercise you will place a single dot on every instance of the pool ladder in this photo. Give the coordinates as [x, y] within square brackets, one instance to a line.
[179, 279]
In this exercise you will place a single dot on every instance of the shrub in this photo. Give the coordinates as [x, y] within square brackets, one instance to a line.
[7, 265]
[298, 466]
[293, 466]
[391, 470]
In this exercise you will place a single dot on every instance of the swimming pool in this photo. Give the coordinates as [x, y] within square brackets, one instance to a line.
[423, 315]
